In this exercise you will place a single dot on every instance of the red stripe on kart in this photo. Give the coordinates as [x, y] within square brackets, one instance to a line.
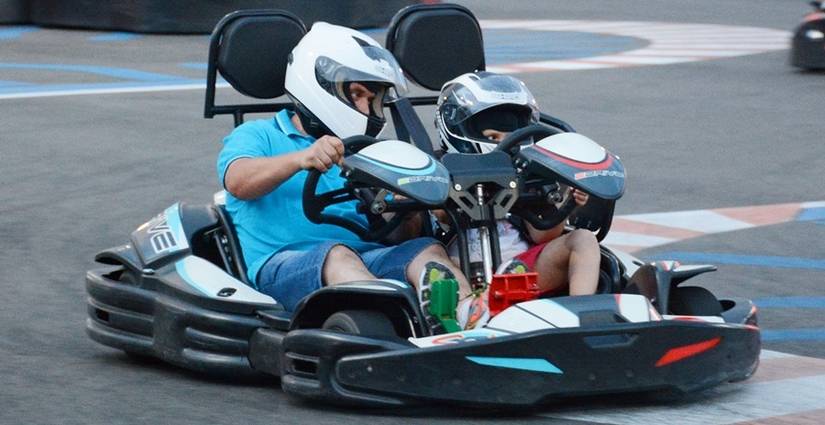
[605, 164]
[680, 353]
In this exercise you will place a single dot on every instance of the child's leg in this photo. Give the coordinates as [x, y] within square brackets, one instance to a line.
[573, 257]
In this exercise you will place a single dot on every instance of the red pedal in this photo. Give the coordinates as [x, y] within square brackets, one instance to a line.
[509, 289]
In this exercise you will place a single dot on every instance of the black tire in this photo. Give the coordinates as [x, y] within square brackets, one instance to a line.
[361, 322]
[693, 301]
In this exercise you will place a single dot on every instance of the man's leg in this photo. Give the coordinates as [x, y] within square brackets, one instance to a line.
[289, 276]
[437, 254]
[573, 257]
[344, 265]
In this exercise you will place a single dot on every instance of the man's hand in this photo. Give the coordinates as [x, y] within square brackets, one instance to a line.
[326, 151]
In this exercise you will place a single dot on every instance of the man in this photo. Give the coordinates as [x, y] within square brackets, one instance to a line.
[337, 79]
[475, 112]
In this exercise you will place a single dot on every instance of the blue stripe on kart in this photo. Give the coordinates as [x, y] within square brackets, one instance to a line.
[181, 268]
[744, 260]
[793, 335]
[790, 302]
[534, 365]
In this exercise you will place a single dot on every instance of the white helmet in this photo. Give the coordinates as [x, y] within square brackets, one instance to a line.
[321, 67]
[474, 102]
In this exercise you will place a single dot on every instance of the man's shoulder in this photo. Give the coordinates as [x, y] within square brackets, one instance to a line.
[258, 127]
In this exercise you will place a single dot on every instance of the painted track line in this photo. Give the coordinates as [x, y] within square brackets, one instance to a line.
[714, 42]
[784, 385]
[112, 90]
[639, 231]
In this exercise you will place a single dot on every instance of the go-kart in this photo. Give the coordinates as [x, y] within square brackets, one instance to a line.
[178, 291]
[808, 44]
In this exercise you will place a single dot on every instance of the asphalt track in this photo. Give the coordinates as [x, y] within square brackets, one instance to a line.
[79, 172]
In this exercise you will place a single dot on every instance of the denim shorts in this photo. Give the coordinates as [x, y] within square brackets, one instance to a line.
[289, 276]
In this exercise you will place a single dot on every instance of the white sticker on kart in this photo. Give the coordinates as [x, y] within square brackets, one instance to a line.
[457, 338]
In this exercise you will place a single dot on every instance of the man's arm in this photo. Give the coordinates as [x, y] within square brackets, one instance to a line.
[250, 178]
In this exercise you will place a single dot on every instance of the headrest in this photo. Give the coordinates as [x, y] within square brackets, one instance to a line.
[253, 49]
[435, 43]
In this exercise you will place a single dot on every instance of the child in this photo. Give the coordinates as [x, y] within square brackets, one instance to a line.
[475, 112]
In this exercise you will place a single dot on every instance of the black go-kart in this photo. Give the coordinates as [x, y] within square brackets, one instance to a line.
[808, 44]
[178, 290]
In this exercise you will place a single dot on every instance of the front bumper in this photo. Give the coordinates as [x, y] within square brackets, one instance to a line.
[519, 370]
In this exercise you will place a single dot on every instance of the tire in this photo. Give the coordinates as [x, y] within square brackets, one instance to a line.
[694, 301]
[361, 322]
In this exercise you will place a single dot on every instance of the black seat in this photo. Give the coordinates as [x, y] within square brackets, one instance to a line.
[249, 48]
[435, 43]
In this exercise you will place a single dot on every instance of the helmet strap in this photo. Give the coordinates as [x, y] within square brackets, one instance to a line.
[312, 125]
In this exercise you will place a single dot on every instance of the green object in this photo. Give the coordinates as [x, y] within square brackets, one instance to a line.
[443, 303]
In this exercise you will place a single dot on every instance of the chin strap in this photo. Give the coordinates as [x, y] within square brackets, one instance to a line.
[312, 125]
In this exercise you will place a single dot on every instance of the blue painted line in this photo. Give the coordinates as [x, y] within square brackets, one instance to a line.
[744, 260]
[9, 83]
[15, 32]
[812, 214]
[790, 302]
[121, 73]
[194, 65]
[777, 335]
[42, 88]
[533, 365]
[115, 36]
[513, 46]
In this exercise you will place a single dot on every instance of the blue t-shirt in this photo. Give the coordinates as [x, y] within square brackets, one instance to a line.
[276, 222]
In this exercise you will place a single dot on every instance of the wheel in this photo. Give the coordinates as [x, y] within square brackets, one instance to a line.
[361, 322]
[694, 301]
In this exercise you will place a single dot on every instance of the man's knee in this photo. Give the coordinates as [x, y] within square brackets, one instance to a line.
[340, 255]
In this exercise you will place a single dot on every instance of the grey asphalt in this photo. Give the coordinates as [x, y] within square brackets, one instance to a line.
[80, 172]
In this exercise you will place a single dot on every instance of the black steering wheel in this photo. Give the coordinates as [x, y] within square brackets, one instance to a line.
[314, 204]
[536, 208]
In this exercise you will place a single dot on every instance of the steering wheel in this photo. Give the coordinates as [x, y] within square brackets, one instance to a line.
[550, 215]
[315, 204]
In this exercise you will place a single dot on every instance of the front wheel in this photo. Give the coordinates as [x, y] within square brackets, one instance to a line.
[361, 322]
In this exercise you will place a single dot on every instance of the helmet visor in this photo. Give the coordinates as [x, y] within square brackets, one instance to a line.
[380, 68]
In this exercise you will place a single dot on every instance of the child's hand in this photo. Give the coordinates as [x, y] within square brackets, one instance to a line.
[580, 197]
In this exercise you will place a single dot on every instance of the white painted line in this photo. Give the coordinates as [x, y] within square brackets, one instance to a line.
[635, 239]
[738, 46]
[566, 65]
[817, 204]
[641, 60]
[699, 221]
[690, 52]
[698, 53]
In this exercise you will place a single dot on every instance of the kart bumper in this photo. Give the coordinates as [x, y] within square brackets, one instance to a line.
[520, 370]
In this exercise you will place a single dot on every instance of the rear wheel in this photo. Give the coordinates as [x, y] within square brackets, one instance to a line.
[694, 301]
[361, 322]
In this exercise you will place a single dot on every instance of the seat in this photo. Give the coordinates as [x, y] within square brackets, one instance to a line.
[249, 49]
